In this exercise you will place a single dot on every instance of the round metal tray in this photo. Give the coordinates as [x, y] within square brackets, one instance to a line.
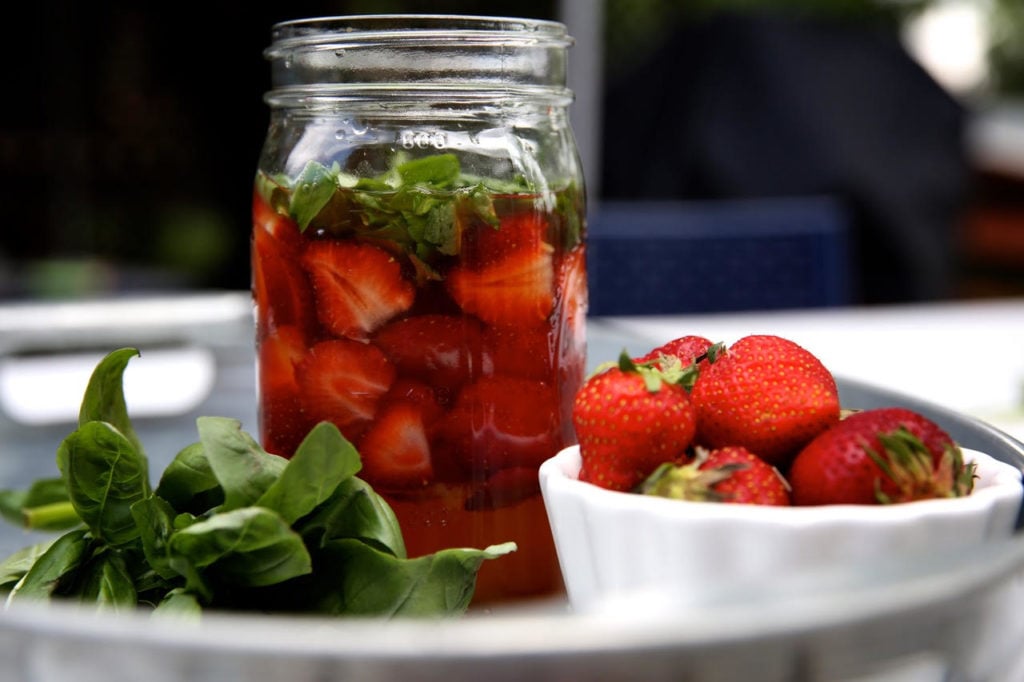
[937, 618]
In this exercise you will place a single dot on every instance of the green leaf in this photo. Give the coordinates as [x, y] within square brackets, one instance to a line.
[313, 189]
[244, 469]
[63, 556]
[15, 566]
[482, 204]
[16, 505]
[569, 209]
[105, 475]
[438, 227]
[154, 518]
[274, 189]
[355, 511]
[322, 461]
[357, 579]
[189, 484]
[249, 547]
[179, 603]
[104, 396]
[105, 582]
[437, 171]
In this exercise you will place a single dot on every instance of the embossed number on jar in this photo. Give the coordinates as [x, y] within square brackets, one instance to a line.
[423, 139]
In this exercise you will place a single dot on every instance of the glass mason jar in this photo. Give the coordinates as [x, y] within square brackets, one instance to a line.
[419, 270]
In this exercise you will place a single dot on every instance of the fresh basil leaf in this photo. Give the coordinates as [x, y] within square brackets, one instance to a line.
[195, 581]
[62, 557]
[322, 461]
[179, 603]
[54, 516]
[313, 188]
[249, 547]
[11, 504]
[437, 171]
[15, 566]
[14, 505]
[105, 475]
[355, 511]
[104, 581]
[104, 396]
[244, 469]
[481, 203]
[359, 580]
[570, 211]
[431, 223]
[274, 189]
[154, 518]
[189, 484]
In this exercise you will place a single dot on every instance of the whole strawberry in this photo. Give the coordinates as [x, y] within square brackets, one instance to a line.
[767, 394]
[879, 456]
[730, 474]
[628, 420]
[683, 354]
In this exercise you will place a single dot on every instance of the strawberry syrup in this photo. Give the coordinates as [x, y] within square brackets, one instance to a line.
[453, 376]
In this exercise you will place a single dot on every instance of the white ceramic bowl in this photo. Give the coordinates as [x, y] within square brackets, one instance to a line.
[620, 548]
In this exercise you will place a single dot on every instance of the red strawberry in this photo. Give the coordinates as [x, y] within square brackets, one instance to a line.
[525, 352]
[573, 296]
[767, 394]
[516, 288]
[444, 351]
[504, 488]
[419, 394]
[342, 381]
[500, 422]
[680, 356]
[358, 287]
[279, 287]
[877, 456]
[395, 451]
[279, 354]
[570, 343]
[485, 243]
[686, 348]
[283, 424]
[279, 226]
[629, 420]
[729, 474]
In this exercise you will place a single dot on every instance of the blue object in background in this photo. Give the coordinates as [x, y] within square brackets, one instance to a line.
[665, 257]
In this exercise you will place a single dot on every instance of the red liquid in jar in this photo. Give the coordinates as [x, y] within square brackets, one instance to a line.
[453, 372]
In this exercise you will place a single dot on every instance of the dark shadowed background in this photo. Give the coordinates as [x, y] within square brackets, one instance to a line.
[130, 134]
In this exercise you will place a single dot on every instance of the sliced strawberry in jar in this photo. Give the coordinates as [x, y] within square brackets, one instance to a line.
[498, 423]
[419, 394]
[504, 488]
[517, 288]
[524, 352]
[573, 298]
[342, 381]
[395, 450]
[444, 351]
[280, 352]
[485, 243]
[277, 225]
[279, 286]
[283, 424]
[358, 287]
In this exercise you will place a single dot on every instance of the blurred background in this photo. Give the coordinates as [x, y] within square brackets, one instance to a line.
[130, 133]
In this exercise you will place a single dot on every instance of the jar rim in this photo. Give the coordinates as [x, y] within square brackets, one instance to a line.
[310, 97]
[330, 32]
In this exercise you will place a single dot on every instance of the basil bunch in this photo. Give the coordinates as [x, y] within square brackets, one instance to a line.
[229, 526]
